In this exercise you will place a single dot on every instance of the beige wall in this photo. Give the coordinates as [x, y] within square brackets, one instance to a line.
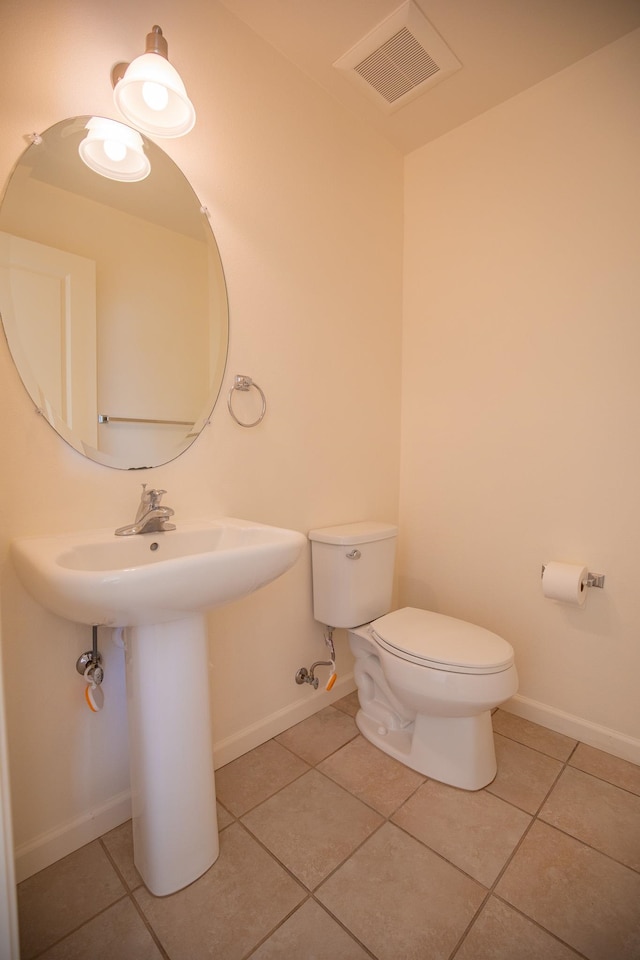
[521, 393]
[520, 426]
[306, 205]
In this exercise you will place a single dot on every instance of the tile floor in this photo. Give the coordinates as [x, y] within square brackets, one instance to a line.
[330, 850]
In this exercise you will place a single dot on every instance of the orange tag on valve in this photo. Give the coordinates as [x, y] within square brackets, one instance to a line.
[332, 680]
[94, 697]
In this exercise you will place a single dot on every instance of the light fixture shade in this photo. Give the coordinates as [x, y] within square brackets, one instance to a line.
[173, 118]
[114, 150]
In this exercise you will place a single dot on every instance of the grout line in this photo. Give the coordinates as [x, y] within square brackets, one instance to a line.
[75, 930]
[507, 736]
[275, 928]
[273, 856]
[589, 846]
[549, 933]
[153, 934]
[616, 786]
[578, 742]
[470, 926]
[341, 924]
[310, 892]
[226, 809]
[298, 776]
[567, 833]
[134, 902]
[115, 866]
[491, 890]
[314, 764]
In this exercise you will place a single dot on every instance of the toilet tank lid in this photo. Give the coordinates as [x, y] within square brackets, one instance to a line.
[363, 531]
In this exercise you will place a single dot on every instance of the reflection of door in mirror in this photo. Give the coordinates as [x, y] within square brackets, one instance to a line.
[153, 338]
[54, 294]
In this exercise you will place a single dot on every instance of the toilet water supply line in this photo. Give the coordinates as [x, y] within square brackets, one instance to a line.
[308, 676]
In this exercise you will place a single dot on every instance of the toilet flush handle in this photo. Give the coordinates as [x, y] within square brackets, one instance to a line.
[354, 555]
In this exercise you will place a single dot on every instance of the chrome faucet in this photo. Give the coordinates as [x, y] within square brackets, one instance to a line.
[151, 516]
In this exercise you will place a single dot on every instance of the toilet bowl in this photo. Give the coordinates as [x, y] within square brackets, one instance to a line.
[427, 683]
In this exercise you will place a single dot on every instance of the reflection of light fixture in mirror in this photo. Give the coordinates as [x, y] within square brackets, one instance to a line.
[114, 150]
[150, 93]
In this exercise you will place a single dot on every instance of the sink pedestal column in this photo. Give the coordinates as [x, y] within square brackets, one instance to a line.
[175, 829]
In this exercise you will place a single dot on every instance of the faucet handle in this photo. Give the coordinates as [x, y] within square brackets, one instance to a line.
[155, 496]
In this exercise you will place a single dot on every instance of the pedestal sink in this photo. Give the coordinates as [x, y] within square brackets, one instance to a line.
[158, 586]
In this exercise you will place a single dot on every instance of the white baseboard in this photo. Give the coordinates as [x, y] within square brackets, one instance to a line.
[224, 751]
[618, 744]
[51, 846]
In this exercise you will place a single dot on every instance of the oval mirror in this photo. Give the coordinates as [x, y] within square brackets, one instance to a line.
[113, 301]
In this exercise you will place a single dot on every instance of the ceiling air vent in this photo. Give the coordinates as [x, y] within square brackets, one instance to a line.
[399, 60]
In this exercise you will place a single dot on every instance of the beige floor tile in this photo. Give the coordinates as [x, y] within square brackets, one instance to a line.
[500, 933]
[597, 813]
[474, 830]
[311, 826]
[371, 775]
[118, 932]
[619, 772]
[310, 934]
[119, 843]
[63, 896]
[390, 884]
[349, 704]
[224, 914]
[533, 735]
[580, 895]
[524, 776]
[401, 900]
[320, 735]
[247, 781]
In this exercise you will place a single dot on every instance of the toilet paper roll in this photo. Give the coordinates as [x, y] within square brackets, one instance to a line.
[565, 581]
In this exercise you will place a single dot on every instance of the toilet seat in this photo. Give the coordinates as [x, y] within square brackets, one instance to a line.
[441, 643]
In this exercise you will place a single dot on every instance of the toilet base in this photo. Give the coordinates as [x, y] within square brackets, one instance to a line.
[459, 751]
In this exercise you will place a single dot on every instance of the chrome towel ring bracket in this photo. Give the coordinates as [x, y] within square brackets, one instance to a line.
[244, 384]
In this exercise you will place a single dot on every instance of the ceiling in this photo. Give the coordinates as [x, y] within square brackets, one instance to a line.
[504, 46]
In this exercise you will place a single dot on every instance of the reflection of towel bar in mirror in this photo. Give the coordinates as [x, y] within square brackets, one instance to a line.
[103, 418]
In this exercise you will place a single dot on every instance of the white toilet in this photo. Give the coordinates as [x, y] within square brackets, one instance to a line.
[427, 683]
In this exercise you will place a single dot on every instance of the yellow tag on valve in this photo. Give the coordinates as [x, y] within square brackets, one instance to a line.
[332, 680]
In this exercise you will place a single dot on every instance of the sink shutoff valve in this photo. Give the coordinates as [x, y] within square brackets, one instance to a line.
[308, 676]
[89, 666]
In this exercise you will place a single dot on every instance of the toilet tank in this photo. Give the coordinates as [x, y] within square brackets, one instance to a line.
[352, 567]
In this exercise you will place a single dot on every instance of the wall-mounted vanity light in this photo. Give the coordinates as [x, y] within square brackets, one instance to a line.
[150, 94]
[114, 150]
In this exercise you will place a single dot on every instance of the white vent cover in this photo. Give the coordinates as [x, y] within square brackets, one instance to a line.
[399, 60]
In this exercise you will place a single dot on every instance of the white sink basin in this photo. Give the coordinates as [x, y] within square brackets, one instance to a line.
[98, 578]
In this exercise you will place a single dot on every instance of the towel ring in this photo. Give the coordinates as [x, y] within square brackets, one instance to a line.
[245, 383]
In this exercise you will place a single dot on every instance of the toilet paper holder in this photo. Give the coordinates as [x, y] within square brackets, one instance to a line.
[593, 579]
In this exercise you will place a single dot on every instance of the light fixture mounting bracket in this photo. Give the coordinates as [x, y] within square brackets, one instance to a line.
[156, 42]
